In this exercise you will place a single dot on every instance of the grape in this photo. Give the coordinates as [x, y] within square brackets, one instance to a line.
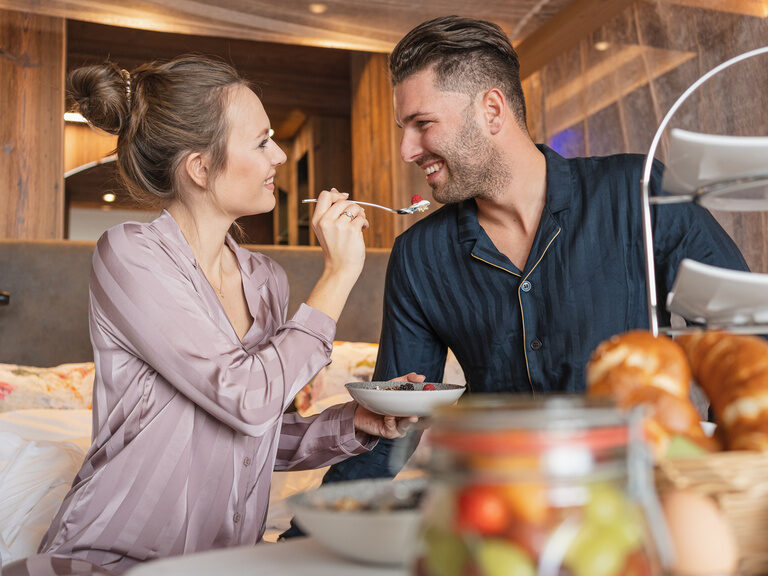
[500, 558]
[446, 553]
[597, 550]
[630, 530]
[607, 505]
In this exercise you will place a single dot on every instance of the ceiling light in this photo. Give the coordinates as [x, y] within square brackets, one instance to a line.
[74, 117]
[271, 132]
[602, 45]
[109, 197]
[317, 8]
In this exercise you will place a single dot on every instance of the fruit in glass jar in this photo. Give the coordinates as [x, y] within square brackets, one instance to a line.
[529, 537]
[637, 565]
[446, 553]
[597, 550]
[527, 501]
[606, 505]
[481, 509]
[501, 558]
[630, 530]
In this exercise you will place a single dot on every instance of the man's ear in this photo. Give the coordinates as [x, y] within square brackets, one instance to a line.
[196, 167]
[494, 107]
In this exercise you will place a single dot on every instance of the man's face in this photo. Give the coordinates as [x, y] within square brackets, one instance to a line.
[442, 135]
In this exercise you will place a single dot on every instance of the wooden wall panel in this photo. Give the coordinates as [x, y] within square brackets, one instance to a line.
[283, 184]
[564, 30]
[372, 135]
[303, 144]
[379, 174]
[323, 144]
[84, 144]
[332, 148]
[750, 232]
[32, 52]
[293, 82]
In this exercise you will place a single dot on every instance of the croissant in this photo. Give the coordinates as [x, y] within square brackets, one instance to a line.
[636, 369]
[626, 362]
[733, 371]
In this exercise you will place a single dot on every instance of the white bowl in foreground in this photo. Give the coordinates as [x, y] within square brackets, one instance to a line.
[382, 530]
[383, 398]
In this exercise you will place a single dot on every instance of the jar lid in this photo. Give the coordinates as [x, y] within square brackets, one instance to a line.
[507, 424]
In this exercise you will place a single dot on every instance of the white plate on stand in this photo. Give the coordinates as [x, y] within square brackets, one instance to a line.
[724, 172]
[711, 295]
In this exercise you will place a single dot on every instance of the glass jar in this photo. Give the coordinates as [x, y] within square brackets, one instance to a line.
[553, 487]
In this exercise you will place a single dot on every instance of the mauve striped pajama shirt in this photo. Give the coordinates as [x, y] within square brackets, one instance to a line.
[188, 420]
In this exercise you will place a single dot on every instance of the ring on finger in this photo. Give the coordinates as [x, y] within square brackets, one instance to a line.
[348, 213]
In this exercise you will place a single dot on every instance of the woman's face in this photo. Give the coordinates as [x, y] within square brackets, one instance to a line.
[245, 186]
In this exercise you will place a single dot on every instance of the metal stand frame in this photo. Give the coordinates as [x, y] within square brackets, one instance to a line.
[650, 268]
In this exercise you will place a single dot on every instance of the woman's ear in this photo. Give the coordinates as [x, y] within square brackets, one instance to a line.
[494, 110]
[196, 168]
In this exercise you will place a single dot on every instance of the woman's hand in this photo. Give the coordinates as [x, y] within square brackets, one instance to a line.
[378, 425]
[338, 225]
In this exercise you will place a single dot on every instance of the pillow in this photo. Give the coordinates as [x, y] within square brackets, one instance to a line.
[67, 386]
[40, 453]
[352, 362]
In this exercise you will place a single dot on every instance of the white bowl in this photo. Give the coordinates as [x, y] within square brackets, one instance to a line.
[416, 402]
[376, 535]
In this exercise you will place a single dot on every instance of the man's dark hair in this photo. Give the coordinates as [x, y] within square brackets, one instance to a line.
[467, 55]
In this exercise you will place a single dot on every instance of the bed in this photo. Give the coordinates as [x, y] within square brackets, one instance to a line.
[46, 375]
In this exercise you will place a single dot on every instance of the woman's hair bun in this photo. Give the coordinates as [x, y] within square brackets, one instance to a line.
[100, 92]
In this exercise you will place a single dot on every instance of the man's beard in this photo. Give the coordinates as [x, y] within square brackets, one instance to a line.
[476, 169]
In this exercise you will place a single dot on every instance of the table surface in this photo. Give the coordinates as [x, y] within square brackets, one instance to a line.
[296, 557]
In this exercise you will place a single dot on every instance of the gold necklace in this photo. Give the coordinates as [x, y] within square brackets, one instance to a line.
[220, 289]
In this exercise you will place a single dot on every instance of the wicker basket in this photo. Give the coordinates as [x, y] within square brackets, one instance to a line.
[738, 483]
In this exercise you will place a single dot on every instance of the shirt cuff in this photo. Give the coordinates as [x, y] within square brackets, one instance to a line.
[350, 440]
[319, 323]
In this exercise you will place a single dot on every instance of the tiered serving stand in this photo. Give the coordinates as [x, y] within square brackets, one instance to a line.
[721, 173]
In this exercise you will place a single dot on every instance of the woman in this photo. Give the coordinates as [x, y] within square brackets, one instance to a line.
[195, 361]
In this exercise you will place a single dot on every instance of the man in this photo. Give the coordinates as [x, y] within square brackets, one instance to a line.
[535, 259]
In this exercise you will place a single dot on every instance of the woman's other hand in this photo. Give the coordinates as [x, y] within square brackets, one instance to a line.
[410, 377]
[378, 425]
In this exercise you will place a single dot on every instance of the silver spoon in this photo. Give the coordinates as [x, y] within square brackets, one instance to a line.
[419, 206]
